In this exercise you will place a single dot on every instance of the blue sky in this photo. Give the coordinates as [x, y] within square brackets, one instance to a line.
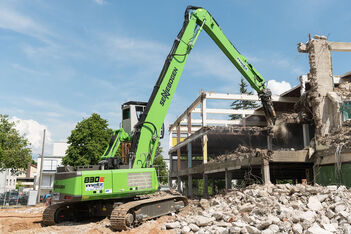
[60, 61]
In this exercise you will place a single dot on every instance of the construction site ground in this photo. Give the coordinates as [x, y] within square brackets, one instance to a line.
[282, 208]
[29, 220]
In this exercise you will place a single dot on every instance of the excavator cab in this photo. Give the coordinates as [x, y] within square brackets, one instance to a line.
[131, 113]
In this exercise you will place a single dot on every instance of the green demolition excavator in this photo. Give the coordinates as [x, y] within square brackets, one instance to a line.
[113, 188]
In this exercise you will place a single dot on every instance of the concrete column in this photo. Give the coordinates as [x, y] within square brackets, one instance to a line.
[266, 173]
[306, 135]
[170, 145]
[205, 188]
[190, 186]
[178, 150]
[204, 123]
[321, 82]
[204, 148]
[265, 163]
[269, 142]
[170, 171]
[179, 181]
[189, 145]
[228, 180]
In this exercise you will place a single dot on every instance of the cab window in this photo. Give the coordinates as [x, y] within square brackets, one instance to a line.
[126, 113]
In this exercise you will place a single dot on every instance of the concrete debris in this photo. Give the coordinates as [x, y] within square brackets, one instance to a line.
[344, 90]
[242, 152]
[339, 136]
[172, 225]
[281, 208]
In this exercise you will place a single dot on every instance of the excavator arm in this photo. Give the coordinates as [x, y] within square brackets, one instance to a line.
[146, 136]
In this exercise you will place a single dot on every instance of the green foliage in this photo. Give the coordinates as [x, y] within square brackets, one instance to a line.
[87, 141]
[243, 104]
[34, 162]
[15, 151]
[160, 166]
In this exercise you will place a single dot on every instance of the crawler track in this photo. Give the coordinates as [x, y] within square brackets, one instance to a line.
[128, 214]
[132, 213]
[49, 214]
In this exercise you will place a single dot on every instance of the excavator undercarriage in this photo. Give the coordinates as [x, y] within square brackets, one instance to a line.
[123, 213]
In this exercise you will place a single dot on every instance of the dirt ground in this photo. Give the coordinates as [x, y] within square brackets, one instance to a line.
[29, 220]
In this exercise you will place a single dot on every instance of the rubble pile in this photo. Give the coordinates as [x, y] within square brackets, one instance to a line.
[281, 208]
[290, 118]
[344, 90]
[240, 153]
[338, 136]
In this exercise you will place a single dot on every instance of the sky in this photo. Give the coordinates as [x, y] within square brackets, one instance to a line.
[62, 60]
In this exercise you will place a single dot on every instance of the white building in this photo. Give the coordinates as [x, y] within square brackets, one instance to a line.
[7, 181]
[50, 165]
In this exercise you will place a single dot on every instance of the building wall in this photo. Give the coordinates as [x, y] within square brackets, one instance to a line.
[327, 176]
[50, 165]
[7, 181]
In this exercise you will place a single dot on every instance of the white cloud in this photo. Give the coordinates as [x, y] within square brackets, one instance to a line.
[278, 87]
[33, 131]
[15, 21]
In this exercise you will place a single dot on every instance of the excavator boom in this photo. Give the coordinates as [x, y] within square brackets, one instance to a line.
[196, 19]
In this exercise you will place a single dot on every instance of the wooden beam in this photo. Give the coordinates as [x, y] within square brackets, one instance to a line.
[339, 46]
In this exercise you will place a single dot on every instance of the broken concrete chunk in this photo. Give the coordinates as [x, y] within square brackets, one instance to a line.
[340, 207]
[316, 229]
[308, 215]
[239, 224]
[203, 221]
[329, 227]
[173, 225]
[322, 197]
[264, 224]
[314, 203]
[246, 208]
[252, 230]
[274, 228]
[330, 214]
[217, 215]
[234, 230]
[186, 229]
[194, 227]
[297, 228]
[205, 204]
[267, 231]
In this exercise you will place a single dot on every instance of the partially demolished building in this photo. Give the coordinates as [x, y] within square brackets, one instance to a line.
[309, 142]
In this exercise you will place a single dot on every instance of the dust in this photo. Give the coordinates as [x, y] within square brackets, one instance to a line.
[279, 129]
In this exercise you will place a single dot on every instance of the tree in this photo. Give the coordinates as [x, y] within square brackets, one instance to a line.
[160, 165]
[243, 104]
[87, 141]
[15, 151]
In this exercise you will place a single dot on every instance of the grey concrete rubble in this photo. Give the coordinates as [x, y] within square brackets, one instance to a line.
[281, 208]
